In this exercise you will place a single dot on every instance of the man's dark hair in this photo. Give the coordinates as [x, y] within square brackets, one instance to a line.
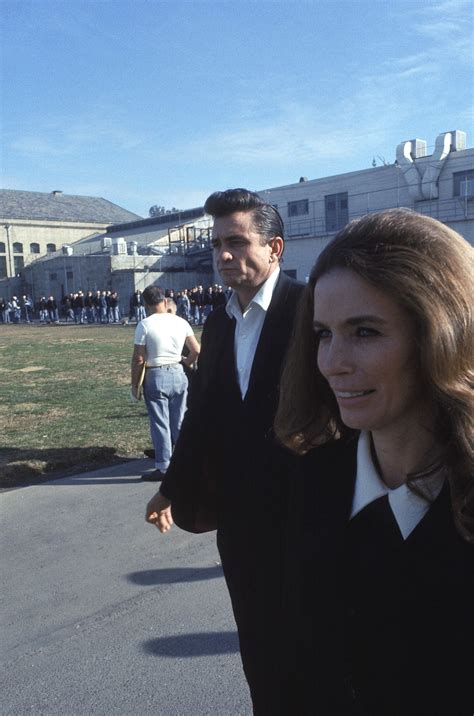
[152, 295]
[266, 219]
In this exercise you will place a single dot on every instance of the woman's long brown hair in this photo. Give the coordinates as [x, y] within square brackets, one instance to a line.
[428, 269]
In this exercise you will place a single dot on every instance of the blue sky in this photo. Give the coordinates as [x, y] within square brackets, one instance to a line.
[151, 102]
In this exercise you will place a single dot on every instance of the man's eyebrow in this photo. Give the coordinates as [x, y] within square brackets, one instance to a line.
[232, 237]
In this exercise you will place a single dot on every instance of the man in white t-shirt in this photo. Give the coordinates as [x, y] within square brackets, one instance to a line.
[159, 341]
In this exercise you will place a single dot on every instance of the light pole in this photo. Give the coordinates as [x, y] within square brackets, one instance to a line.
[7, 228]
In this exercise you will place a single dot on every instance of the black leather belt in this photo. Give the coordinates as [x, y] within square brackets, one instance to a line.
[165, 365]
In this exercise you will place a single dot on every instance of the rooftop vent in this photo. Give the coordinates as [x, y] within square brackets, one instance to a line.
[458, 140]
[119, 246]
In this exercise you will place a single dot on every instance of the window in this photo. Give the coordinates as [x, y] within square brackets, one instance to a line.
[18, 264]
[34, 248]
[2, 247]
[337, 211]
[17, 248]
[69, 274]
[50, 248]
[53, 276]
[463, 184]
[297, 208]
[3, 266]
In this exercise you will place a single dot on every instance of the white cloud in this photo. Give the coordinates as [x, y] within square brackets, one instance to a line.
[56, 138]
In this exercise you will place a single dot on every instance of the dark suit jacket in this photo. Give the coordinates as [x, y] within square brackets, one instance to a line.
[417, 637]
[226, 442]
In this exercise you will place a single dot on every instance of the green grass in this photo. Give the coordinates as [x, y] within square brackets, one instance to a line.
[64, 400]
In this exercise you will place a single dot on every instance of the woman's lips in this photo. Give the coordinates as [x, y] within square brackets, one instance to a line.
[348, 394]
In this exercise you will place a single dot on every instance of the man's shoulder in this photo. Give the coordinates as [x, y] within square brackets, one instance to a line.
[218, 316]
[181, 323]
[287, 293]
[289, 283]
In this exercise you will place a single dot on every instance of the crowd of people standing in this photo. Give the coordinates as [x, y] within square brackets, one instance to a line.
[100, 306]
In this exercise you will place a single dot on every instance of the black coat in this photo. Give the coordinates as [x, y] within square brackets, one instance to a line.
[224, 474]
[218, 420]
[385, 628]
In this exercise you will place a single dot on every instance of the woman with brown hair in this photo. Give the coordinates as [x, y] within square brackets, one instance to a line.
[377, 398]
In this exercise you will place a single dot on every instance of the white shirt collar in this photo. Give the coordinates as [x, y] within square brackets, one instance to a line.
[262, 298]
[408, 508]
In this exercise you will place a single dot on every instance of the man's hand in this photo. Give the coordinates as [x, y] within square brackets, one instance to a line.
[158, 512]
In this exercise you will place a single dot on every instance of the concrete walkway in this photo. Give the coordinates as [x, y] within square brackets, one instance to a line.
[103, 615]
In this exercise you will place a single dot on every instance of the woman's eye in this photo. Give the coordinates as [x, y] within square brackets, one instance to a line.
[364, 332]
[322, 333]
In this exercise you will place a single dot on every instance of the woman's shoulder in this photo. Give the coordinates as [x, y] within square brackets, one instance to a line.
[336, 451]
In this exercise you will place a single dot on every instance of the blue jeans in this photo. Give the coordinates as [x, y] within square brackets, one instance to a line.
[165, 392]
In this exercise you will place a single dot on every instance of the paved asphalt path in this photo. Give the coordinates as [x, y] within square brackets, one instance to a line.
[100, 614]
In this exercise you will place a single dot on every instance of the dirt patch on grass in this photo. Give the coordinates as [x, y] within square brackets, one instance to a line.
[20, 407]
[30, 369]
[77, 340]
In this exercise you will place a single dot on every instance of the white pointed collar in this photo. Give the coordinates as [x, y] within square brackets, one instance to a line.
[408, 508]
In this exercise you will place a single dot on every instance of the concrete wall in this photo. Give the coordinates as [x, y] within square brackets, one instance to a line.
[59, 275]
[42, 233]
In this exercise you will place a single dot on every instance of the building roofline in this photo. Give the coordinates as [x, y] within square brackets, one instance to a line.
[176, 216]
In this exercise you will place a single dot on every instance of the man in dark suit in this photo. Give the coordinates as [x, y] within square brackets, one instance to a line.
[223, 473]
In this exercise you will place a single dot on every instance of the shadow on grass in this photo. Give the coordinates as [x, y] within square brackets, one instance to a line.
[192, 645]
[19, 468]
[173, 576]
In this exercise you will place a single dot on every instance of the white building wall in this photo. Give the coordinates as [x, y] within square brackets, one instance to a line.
[369, 190]
[28, 232]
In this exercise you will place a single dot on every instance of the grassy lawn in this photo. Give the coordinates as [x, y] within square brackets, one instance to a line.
[64, 400]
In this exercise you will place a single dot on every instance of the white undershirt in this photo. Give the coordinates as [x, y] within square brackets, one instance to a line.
[408, 508]
[163, 335]
[248, 328]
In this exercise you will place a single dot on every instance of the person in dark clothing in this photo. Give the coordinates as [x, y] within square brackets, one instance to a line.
[222, 472]
[79, 307]
[89, 306]
[42, 309]
[114, 313]
[376, 397]
[218, 297]
[52, 308]
[137, 306]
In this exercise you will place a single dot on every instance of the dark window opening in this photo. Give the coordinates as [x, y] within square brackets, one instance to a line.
[18, 264]
[298, 208]
[337, 212]
[463, 184]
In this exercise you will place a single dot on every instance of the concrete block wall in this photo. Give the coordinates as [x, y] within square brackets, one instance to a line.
[43, 233]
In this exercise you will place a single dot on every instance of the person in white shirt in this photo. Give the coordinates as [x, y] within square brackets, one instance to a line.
[376, 396]
[159, 342]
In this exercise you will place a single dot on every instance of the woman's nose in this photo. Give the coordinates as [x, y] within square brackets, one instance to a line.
[334, 357]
